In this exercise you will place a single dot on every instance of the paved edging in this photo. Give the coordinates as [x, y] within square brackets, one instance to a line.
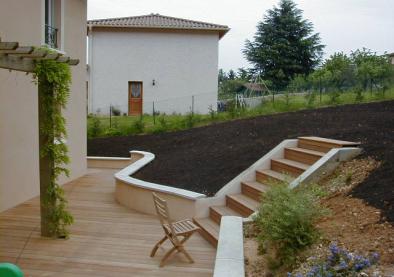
[230, 251]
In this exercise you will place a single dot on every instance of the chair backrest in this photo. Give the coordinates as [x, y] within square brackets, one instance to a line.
[162, 211]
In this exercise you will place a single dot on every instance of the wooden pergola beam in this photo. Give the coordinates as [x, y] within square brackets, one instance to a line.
[23, 58]
[8, 45]
[19, 50]
[17, 63]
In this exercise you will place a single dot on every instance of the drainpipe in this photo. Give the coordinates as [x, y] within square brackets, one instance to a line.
[89, 70]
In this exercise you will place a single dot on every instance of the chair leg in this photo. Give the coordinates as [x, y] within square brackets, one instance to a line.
[153, 252]
[183, 250]
[167, 255]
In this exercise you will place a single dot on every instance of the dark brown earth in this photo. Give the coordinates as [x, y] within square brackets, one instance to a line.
[206, 158]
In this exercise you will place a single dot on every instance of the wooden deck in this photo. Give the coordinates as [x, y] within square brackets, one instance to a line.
[106, 238]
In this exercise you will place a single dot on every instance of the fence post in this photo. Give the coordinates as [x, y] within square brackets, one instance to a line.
[192, 104]
[154, 113]
[110, 116]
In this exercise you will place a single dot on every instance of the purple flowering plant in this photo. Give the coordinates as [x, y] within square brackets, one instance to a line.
[340, 262]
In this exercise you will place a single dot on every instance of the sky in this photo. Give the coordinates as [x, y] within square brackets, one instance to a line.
[344, 25]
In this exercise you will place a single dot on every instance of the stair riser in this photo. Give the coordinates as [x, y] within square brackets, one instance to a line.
[206, 235]
[238, 207]
[316, 145]
[263, 178]
[251, 192]
[214, 215]
[285, 168]
[301, 157]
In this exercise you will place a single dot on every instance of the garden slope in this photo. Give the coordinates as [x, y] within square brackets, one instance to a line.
[206, 158]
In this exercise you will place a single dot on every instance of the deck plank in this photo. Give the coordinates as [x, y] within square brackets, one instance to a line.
[106, 238]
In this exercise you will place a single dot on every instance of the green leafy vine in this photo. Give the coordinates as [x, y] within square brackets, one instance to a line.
[54, 79]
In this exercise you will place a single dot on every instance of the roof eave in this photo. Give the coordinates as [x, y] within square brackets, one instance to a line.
[221, 31]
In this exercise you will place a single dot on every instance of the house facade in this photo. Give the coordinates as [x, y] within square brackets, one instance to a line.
[61, 25]
[152, 63]
[391, 58]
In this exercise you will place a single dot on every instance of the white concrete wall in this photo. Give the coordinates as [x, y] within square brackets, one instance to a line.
[22, 21]
[182, 65]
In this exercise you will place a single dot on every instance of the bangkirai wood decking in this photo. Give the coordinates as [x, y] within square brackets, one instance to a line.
[106, 238]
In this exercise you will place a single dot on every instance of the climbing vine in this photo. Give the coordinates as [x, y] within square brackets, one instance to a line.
[53, 80]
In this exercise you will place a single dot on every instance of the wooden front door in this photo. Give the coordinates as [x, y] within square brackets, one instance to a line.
[135, 98]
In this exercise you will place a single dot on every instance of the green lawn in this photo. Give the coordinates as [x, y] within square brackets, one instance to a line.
[99, 126]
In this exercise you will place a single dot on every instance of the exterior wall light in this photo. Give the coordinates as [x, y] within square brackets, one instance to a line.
[153, 82]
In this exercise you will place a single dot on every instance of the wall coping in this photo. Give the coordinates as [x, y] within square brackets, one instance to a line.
[107, 158]
[230, 251]
[125, 176]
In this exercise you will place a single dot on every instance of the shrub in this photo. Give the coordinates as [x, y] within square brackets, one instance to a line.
[162, 126]
[334, 97]
[110, 132]
[311, 97]
[189, 120]
[286, 220]
[212, 113]
[138, 126]
[95, 129]
[340, 262]
[359, 94]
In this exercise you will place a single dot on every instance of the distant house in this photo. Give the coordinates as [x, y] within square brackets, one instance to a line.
[392, 58]
[141, 63]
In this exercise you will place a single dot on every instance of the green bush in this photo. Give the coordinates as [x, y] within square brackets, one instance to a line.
[286, 220]
[162, 126]
[138, 126]
[95, 129]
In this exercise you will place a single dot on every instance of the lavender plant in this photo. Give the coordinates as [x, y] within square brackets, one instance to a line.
[340, 263]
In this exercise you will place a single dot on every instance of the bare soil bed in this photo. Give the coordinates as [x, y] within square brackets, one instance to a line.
[206, 158]
[351, 223]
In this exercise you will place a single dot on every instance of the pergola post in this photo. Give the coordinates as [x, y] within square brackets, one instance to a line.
[23, 59]
[46, 164]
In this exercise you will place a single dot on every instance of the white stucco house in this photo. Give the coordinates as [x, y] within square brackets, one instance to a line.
[139, 62]
[61, 26]
[392, 58]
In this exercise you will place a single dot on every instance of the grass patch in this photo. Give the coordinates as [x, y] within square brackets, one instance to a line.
[101, 126]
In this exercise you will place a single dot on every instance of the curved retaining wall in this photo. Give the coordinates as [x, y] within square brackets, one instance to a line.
[136, 194]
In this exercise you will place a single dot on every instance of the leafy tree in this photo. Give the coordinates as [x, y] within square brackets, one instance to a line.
[231, 75]
[371, 69]
[319, 79]
[284, 45]
[243, 74]
[222, 76]
[229, 88]
[298, 83]
[340, 71]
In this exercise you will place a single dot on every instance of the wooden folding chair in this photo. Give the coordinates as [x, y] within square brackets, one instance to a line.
[173, 231]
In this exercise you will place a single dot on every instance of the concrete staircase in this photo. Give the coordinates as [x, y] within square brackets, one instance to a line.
[294, 162]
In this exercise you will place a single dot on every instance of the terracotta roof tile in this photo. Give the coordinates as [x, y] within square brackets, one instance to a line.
[158, 21]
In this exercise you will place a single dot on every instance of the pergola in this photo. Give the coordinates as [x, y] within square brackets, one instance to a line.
[24, 58]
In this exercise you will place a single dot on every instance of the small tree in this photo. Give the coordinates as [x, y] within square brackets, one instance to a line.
[340, 71]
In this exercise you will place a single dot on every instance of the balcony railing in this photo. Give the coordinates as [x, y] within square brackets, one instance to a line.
[51, 36]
